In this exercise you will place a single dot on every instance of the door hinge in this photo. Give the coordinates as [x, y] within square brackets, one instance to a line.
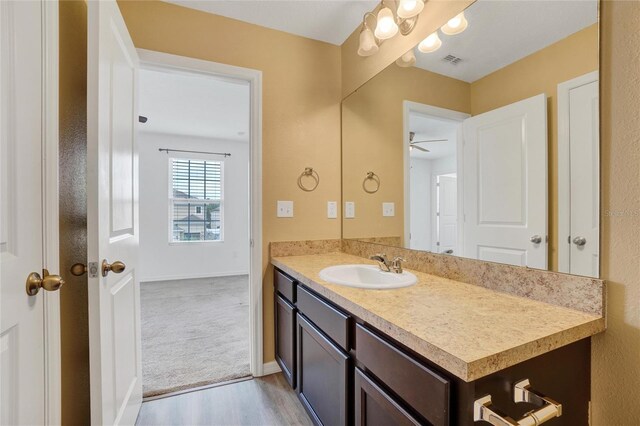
[438, 243]
[251, 243]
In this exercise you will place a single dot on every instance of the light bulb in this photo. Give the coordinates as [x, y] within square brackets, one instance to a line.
[410, 8]
[407, 60]
[368, 45]
[430, 44]
[386, 27]
[455, 25]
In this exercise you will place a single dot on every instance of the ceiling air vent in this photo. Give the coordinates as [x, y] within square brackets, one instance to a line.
[452, 59]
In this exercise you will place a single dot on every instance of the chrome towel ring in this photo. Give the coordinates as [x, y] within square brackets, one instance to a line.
[309, 172]
[376, 183]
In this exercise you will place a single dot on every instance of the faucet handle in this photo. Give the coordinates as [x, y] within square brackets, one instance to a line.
[397, 264]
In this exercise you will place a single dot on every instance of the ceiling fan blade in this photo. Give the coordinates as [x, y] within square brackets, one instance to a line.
[431, 140]
[419, 148]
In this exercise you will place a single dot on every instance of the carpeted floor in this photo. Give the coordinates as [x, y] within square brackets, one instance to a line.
[194, 332]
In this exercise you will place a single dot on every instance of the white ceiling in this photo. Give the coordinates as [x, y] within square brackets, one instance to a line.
[502, 32]
[191, 105]
[430, 128]
[331, 21]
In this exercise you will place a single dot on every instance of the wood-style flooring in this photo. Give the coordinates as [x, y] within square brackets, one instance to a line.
[261, 401]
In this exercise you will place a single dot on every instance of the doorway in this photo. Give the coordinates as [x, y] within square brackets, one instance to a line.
[197, 143]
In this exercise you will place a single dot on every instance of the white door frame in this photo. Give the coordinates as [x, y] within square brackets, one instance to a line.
[174, 63]
[564, 166]
[407, 108]
[50, 199]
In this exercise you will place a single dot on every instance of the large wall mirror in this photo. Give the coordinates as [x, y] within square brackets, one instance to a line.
[486, 145]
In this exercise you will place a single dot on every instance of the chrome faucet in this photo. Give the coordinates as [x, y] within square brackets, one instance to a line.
[383, 263]
[396, 264]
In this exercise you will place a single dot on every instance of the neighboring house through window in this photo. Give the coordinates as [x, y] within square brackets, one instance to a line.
[195, 200]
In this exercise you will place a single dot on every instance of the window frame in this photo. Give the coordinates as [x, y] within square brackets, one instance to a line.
[171, 200]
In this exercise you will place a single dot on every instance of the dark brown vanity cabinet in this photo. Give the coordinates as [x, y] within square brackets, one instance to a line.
[323, 376]
[285, 326]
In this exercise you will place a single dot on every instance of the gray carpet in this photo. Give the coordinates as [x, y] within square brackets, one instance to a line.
[194, 332]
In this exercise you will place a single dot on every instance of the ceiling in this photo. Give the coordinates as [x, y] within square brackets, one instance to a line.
[502, 32]
[191, 105]
[430, 128]
[331, 21]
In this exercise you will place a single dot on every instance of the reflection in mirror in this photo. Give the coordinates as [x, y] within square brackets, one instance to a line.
[488, 146]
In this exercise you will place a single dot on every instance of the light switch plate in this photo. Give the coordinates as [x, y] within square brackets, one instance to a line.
[332, 209]
[285, 208]
[349, 210]
[388, 209]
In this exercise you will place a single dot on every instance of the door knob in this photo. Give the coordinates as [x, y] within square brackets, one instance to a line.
[536, 239]
[78, 269]
[117, 267]
[579, 241]
[49, 282]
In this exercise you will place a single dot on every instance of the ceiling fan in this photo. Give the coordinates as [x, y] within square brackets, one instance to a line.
[414, 144]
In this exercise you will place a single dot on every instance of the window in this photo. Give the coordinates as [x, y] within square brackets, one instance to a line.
[195, 200]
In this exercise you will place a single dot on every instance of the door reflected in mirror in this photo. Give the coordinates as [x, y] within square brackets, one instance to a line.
[488, 147]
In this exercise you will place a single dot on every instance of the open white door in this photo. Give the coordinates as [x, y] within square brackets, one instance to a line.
[29, 320]
[112, 218]
[447, 213]
[505, 185]
[584, 145]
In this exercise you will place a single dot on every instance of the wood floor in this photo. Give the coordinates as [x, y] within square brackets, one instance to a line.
[262, 401]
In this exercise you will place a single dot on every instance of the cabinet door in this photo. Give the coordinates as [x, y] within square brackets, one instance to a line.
[323, 375]
[374, 407]
[285, 320]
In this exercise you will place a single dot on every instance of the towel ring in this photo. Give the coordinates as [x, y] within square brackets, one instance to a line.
[375, 178]
[308, 171]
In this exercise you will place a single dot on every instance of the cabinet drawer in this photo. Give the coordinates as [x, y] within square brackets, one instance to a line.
[330, 320]
[374, 406]
[285, 285]
[285, 336]
[420, 387]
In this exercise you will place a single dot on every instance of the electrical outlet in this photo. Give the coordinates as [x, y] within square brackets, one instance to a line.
[332, 209]
[349, 210]
[285, 208]
[388, 209]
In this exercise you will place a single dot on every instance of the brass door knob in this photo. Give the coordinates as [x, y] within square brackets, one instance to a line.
[49, 282]
[78, 269]
[117, 267]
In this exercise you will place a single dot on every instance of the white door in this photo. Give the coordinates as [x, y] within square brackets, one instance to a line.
[22, 319]
[447, 213]
[112, 218]
[584, 148]
[505, 184]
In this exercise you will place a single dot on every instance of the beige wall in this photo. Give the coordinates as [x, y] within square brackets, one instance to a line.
[373, 116]
[300, 112]
[538, 73]
[616, 353]
[73, 212]
[357, 70]
[372, 127]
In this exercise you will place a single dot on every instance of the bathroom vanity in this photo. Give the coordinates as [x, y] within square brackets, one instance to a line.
[426, 354]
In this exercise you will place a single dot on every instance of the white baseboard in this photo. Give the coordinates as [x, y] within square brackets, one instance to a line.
[270, 368]
[191, 276]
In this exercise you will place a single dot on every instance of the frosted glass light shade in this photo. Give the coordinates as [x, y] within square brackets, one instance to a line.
[368, 45]
[430, 44]
[386, 27]
[409, 8]
[455, 25]
[407, 60]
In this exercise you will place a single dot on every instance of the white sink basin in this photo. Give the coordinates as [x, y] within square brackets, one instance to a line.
[366, 276]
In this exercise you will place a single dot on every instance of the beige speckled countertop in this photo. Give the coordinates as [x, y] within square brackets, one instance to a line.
[466, 329]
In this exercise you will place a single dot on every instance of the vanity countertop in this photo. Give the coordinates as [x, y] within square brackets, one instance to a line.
[466, 329]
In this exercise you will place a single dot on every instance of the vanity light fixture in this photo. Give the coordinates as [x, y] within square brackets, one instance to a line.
[430, 44]
[386, 26]
[393, 17]
[410, 8]
[407, 60]
[455, 25]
